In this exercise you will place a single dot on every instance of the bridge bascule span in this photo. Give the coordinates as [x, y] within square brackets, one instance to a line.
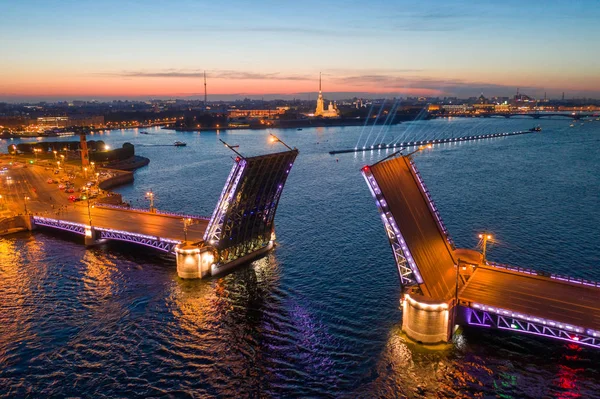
[242, 226]
[444, 287]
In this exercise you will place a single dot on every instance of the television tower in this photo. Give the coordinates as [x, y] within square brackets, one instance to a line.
[205, 95]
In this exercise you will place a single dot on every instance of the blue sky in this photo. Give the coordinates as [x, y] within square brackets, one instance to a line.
[141, 49]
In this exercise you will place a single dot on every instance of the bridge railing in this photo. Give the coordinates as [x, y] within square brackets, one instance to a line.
[144, 210]
[554, 276]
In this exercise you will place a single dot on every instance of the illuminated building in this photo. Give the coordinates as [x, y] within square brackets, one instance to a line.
[69, 121]
[331, 111]
[257, 113]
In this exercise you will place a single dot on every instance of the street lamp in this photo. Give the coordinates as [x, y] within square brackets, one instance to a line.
[150, 196]
[87, 197]
[186, 223]
[85, 171]
[93, 164]
[485, 237]
[421, 148]
[55, 152]
[25, 199]
[275, 139]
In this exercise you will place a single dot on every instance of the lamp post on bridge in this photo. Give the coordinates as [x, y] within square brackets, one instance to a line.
[25, 199]
[186, 223]
[87, 197]
[150, 196]
[484, 237]
[275, 139]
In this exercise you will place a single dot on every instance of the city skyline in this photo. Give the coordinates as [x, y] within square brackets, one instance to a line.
[133, 50]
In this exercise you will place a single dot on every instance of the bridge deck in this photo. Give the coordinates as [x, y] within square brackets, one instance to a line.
[428, 246]
[533, 295]
[136, 222]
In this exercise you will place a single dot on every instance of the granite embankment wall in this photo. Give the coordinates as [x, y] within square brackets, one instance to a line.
[119, 178]
[12, 225]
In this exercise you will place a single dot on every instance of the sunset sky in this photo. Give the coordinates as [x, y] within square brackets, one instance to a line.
[158, 49]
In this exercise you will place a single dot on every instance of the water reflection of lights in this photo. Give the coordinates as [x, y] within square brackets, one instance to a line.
[18, 291]
[98, 278]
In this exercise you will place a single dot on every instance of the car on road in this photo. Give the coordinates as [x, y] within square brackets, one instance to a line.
[61, 186]
[69, 190]
[73, 198]
[50, 181]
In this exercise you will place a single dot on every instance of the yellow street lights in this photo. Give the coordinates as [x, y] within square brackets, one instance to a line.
[55, 153]
[25, 199]
[275, 139]
[85, 171]
[186, 223]
[150, 196]
[485, 237]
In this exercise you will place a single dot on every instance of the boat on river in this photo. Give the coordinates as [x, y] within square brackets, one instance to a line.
[179, 144]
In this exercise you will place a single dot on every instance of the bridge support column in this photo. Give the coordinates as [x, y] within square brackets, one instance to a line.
[90, 236]
[29, 223]
[192, 261]
[426, 321]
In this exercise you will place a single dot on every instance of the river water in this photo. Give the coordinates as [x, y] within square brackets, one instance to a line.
[319, 316]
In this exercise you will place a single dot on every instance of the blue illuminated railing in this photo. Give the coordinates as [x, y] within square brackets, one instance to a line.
[487, 316]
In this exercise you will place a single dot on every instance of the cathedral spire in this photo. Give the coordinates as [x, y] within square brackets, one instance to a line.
[319, 82]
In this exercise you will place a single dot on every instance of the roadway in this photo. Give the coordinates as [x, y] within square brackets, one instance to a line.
[27, 180]
[533, 295]
[419, 228]
[157, 225]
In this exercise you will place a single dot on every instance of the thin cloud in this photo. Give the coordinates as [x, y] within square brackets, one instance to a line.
[219, 74]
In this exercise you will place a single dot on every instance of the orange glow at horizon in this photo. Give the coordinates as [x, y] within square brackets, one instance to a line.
[121, 87]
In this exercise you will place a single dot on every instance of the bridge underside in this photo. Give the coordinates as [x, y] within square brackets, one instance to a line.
[243, 220]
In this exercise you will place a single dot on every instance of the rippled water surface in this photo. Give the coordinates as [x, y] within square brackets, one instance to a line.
[317, 317]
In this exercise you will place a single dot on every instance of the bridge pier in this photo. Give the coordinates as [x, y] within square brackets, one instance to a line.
[90, 236]
[425, 320]
[29, 222]
[193, 261]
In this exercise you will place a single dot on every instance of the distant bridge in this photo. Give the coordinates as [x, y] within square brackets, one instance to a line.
[444, 286]
[534, 115]
[241, 228]
[397, 146]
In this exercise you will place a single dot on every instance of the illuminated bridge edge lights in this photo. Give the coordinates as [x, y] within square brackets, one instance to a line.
[485, 316]
[215, 225]
[408, 275]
